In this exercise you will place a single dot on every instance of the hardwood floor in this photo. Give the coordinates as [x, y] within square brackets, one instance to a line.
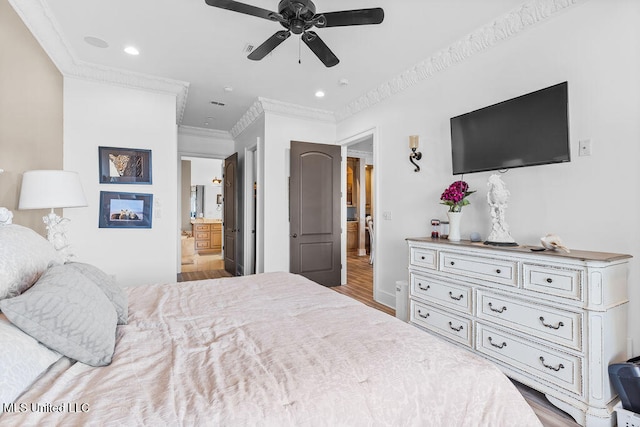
[359, 284]
[360, 287]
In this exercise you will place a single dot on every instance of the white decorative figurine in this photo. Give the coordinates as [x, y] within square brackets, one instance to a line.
[497, 198]
[57, 234]
[6, 216]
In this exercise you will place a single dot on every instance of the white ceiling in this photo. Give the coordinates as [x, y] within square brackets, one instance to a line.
[189, 41]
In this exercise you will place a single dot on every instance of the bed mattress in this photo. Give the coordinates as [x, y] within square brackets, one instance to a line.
[270, 349]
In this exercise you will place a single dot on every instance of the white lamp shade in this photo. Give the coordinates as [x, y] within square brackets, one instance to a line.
[44, 189]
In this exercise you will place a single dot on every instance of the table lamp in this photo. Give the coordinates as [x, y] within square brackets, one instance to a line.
[44, 189]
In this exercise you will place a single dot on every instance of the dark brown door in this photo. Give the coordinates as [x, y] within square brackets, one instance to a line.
[230, 214]
[314, 212]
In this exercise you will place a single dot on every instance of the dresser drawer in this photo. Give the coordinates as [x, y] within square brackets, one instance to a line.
[561, 369]
[496, 270]
[421, 257]
[451, 326]
[562, 282]
[441, 292]
[547, 323]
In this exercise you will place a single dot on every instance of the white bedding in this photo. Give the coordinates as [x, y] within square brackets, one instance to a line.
[271, 349]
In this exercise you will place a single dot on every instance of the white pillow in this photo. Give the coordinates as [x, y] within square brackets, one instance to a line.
[24, 256]
[23, 360]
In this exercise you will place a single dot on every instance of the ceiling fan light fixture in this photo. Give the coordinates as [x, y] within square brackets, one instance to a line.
[299, 17]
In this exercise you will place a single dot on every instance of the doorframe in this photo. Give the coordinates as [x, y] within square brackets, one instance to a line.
[179, 194]
[250, 160]
[344, 143]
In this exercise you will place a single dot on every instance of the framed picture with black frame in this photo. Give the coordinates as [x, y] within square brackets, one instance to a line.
[124, 165]
[125, 210]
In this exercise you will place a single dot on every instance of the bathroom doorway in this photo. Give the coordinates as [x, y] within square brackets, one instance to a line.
[201, 210]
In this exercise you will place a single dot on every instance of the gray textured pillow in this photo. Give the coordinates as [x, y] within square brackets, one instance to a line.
[111, 289]
[24, 256]
[67, 313]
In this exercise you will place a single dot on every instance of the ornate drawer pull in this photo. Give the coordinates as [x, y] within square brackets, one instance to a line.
[560, 324]
[504, 344]
[498, 271]
[452, 263]
[458, 329]
[455, 298]
[549, 280]
[422, 257]
[497, 310]
[424, 289]
[424, 316]
[560, 366]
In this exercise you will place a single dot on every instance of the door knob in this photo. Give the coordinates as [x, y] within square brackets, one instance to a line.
[294, 235]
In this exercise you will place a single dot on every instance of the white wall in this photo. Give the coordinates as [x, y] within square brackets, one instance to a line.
[98, 114]
[199, 142]
[279, 132]
[591, 202]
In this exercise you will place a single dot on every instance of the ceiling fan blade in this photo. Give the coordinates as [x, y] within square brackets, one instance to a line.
[247, 9]
[317, 46]
[270, 44]
[351, 17]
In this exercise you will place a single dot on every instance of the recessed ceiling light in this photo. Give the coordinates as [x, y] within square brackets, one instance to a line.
[131, 50]
[96, 42]
[228, 89]
[319, 94]
[343, 82]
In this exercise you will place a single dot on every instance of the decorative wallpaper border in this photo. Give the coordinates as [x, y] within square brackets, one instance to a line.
[502, 28]
[38, 18]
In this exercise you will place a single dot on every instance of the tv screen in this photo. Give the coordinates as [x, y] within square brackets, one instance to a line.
[532, 129]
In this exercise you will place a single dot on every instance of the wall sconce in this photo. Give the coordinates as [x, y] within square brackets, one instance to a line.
[216, 180]
[413, 144]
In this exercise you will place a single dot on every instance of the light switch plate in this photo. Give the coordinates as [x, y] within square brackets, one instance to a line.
[584, 147]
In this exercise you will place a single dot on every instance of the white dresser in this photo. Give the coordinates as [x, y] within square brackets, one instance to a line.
[550, 320]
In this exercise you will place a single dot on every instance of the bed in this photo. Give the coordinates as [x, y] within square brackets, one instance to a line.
[267, 349]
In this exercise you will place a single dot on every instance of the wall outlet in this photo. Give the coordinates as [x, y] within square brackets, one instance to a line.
[386, 215]
[584, 147]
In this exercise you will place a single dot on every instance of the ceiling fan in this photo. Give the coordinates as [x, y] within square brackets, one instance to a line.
[298, 17]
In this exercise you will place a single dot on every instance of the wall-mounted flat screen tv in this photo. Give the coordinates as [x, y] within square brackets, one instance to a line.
[532, 129]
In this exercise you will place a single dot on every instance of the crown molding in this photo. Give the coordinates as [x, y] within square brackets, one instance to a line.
[263, 105]
[204, 132]
[501, 29]
[250, 116]
[40, 21]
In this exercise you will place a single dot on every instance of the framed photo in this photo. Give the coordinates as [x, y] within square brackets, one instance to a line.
[125, 210]
[124, 165]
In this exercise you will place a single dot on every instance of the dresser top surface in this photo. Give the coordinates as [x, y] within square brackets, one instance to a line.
[525, 249]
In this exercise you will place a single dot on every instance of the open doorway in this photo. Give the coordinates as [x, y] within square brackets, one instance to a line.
[359, 206]
[201, 210]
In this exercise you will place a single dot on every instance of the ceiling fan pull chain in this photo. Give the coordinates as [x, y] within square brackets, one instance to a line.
[299, 49]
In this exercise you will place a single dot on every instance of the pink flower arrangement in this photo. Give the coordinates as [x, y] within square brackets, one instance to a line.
[455, 196]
